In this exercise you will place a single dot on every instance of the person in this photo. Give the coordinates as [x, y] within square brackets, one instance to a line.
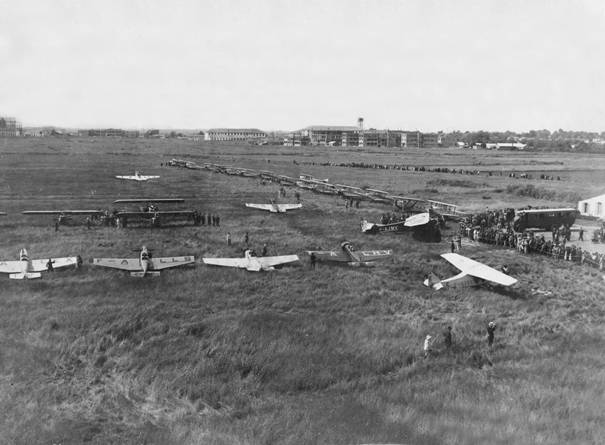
[79, 261]
[427, 346]
[313, 260]
[491, 327]
[49, 265]
[581, 234]
[57, 225]
[246, 238]
[453, 246]
[218, 221]
[88, 222]
[459, 242]
[447, 337]
[264, 252]
[228, 238]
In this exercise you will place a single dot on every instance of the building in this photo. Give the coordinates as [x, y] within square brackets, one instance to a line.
[235, 134]
[9, 127]
[411, 139]
[115, 132]
[331, 135]
[430, 140]
[592, 207]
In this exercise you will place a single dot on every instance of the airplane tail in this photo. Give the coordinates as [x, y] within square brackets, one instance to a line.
[433, 281]
[26, 276]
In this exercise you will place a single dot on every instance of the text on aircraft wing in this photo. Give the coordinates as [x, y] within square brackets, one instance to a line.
[373, 254]
[227, 262]
[62, 212]
[478, 270]
[270, 261]
[10, 266]
[42, 264]
[146, 200]
[118, 263]
[418, 220]
[165, 263]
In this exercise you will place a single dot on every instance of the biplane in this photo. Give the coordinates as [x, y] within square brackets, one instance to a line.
[145, 264]
[151, 213]
[137, 177]
[274, 208]
[350, 256]
[65, 217]
[252, 262]
[25, 268]
[472, 273]
[425, 226]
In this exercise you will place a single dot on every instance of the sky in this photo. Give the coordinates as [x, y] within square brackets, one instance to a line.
[284, 65]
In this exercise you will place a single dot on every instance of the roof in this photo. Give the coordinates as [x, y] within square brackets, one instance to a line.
[598, 198]
[241, 130]
[566, 209]
[332, 128]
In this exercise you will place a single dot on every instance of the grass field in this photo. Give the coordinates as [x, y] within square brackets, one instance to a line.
[298, 356]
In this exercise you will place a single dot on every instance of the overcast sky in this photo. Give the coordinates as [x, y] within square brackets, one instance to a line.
[426, 65]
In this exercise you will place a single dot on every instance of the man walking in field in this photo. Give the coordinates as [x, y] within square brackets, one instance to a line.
[228, 238]
[427, 346]
[491, 328]
[447, 337]
[581, 234]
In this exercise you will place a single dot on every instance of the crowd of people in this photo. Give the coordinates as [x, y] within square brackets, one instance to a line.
[422, 168]
[495, 227]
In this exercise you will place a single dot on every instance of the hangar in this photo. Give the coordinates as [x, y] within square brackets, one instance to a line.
[592, 206]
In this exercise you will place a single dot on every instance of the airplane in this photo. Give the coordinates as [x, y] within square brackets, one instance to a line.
[274, 208]
[350, 256]
[25, 268]
[251, 262]
[145, 264]
[155, 216]
[137, 177]
[64, 216]
[472, 273]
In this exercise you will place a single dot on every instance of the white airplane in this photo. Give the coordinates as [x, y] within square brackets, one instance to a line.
[137, 177]
[472, 273]
[144, 265]
[251, 262]
[25, 268]
[275, 208]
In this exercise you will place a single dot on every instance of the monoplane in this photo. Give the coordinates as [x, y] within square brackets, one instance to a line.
[251, 262]
[472, 273]
[145, 265]
[137, 177]
[424, 225]
[274, 208]
[24, 268]
[350, 256]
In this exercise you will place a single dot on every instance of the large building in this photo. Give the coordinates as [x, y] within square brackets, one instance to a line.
[9, 127]
[593, 207]
[235, 134]
[332, 135]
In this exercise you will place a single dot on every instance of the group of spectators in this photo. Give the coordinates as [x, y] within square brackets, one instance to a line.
[422, 168]
[495, 227]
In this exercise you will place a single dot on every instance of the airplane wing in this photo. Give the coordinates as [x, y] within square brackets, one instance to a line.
[227, 262]
[130, 264]
[10, 266]
[152, 214]
[285, 207]
[270, 261]
[328, 255]
[418, 220]
[268, 207]
[145, 178]
[478, 270]
[374, 255]
[62, 212]
[42, 264]
[165, 263]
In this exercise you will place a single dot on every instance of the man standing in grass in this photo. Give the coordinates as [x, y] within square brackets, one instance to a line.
[229, 238]
[427, 346]
[447, 338]
[491, 328]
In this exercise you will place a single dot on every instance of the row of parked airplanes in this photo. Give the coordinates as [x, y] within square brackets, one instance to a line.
[471, 272]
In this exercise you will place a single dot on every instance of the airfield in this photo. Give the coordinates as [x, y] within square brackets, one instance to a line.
[204, 355]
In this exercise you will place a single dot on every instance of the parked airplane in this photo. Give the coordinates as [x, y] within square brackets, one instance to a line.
[348, 255]
[275, 208]
[145, 264]
[137, 177]
[472, 273]
[25, 268]
[251, 262]
[424, 225]
[155, 217]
